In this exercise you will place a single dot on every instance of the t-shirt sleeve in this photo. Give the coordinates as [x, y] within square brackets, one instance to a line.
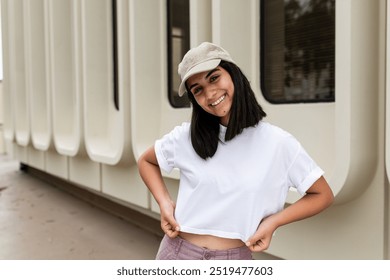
[165, 148]
[303, 171]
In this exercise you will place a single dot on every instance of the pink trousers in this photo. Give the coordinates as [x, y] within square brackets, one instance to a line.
[180, 249]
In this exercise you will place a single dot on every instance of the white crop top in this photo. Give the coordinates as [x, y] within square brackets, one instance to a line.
[246, 180]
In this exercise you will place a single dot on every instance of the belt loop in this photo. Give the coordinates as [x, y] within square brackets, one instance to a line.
[178, 242]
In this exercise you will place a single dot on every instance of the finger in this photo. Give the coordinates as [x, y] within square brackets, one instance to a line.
[252, 240]
[171, 231]
[173, 234]
[258, 246]
[173, 224]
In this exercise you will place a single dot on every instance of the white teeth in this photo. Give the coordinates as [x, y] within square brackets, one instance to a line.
[218, 101]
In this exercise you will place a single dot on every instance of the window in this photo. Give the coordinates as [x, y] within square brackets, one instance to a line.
[178, 45]
[298, 50]
[115, 53]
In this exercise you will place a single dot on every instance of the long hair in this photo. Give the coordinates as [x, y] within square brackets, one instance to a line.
[245, 112]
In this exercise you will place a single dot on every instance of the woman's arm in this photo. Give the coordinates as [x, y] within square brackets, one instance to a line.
[318, 197]
[151, 174]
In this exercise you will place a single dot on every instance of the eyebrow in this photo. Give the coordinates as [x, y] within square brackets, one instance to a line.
[208, 75]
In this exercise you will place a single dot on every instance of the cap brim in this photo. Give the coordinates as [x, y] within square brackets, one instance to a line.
[199, 68]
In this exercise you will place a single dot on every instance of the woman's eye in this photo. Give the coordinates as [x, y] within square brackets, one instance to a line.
[213, 78]
[196, 91]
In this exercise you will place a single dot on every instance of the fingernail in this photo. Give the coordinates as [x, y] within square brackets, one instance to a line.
[248, 244]
[177, 228]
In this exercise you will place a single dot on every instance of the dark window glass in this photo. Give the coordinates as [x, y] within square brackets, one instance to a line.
[115, 53]
[298, 50]
[178, 45]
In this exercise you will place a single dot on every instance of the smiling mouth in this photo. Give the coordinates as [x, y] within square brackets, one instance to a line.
[219, 100]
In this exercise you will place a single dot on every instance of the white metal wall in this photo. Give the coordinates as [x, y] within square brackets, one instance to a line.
[59, 114]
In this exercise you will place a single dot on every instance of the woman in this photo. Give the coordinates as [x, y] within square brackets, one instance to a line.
[235, 169]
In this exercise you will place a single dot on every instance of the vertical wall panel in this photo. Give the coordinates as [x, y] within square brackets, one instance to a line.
[37, 73]
[8, 124]
[122, 180]
[200, 23]
[66, 98]
[17, 70]
[104, 105]
[81, 169]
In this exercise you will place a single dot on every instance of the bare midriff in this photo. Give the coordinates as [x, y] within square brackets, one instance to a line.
[211, 242]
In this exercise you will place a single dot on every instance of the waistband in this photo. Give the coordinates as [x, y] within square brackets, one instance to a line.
[196, 252]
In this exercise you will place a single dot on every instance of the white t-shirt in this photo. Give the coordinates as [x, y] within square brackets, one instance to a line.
[246, 180]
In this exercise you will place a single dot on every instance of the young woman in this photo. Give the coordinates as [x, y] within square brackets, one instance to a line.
[235, 169]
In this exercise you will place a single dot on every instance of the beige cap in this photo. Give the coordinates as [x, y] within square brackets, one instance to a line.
[204, 57]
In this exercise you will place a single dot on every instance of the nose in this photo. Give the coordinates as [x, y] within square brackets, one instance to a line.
[211, 91]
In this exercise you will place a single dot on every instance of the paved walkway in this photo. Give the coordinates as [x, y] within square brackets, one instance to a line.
[38, 221]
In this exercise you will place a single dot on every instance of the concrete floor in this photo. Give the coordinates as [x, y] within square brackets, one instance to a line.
[38, 221]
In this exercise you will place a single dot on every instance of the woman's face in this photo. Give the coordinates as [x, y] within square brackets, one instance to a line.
[213, 90]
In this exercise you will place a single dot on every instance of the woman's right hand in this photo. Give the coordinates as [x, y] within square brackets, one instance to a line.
[168, 222]
[151, 175]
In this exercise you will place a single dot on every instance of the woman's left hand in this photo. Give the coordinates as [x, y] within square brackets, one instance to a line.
[261, 240]
[318, 197]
